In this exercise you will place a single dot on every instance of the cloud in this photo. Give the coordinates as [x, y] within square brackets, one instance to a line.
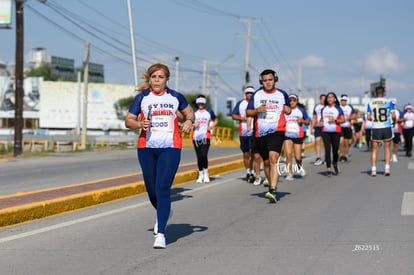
[312, 61]
[383, 61]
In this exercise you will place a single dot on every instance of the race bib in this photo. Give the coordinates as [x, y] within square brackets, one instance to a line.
[292, 127]
[409, 123]
[327, 122]
[271, 117]
[161, 123]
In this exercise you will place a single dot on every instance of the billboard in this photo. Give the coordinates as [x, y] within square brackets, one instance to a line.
[60, 105]
[5, 13]
[31, 97]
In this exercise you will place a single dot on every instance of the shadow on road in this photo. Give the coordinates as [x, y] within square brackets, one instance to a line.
[178, 231]
[176, 194]
[279, 195]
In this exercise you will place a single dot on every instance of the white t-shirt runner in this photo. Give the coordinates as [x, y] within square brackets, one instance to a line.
[203, 118]
[348, 111]
[273, 119]
[328, 115]
[317, 111]
[409, 123]
[161, 110]
[293, 128]
[240, 110]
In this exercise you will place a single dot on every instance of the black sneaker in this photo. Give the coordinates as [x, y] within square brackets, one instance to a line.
[336, 168]
[251, 179]
[345, 159]
[328, 173]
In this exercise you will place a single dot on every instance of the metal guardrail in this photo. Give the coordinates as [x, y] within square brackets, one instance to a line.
[221, 133]
[72, 142]
[65, 142]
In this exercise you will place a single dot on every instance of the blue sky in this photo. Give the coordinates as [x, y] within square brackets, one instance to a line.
[342, 46]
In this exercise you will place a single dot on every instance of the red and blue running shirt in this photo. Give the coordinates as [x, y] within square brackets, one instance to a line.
[161, 110]
[240, 110]
[293, 128]
[317, 112]
[273, 119]
[331, 113]
[202, 118]
[348, 111]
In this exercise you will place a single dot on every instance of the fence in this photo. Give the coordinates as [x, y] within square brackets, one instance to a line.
[61, 143]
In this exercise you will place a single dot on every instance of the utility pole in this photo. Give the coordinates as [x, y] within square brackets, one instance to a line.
[177, 61]
[78, 123]
[85, 98]
[247, 56]
[203, 88]
[300, 80]
[19, 78]
[131, 33]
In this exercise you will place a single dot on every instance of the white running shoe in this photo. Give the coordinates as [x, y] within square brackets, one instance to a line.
[289, 177]
[159, 242]
[258, 181]
[206, 177]
[318, 162]
[200, 177]
[265, 182]
[394, 158]
[302, 172]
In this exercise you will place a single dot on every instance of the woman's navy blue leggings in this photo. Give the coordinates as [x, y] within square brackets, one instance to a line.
[159, 166]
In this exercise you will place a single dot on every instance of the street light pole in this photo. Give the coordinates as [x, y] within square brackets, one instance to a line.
[19, 78]
[131, 33]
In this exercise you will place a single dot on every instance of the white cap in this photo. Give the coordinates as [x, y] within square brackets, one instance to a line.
[201, 100]
[249, 90]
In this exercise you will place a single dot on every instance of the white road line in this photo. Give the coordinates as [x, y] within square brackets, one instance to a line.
[97, 216]
[407, 206]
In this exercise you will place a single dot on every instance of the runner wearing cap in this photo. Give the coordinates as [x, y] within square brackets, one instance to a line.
[245, 132]
[295, 136]
[408, 128]
[381, 112]
[346, 130]
[203, 129]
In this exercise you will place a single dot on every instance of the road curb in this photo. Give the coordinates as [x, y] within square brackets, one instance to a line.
[38, 210]
[23, 213]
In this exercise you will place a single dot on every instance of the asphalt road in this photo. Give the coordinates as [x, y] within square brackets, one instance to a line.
[61, 169]
[346, 224]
